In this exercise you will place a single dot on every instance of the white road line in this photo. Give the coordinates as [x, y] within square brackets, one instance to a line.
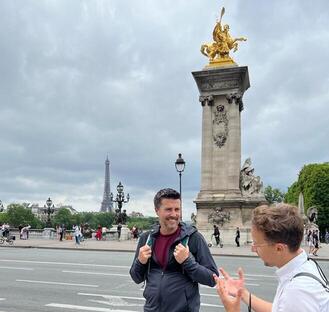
[110, 296]
[55, 283]
[139, 298]
[95, 273]
[211, 305]
[68, 263]
[261, 275]
[16, 268]
[83, 308]
[1, 299]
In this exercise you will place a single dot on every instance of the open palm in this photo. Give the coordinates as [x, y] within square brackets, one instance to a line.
[233, 285]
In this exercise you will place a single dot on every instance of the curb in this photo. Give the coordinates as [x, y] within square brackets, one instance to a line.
[133, 251]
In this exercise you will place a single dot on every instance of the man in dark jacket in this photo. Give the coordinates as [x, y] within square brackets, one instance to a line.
[172, 259]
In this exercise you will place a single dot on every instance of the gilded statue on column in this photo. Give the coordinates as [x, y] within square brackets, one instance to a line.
[218, 51]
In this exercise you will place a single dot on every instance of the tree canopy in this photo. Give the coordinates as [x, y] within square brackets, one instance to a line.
[273, 195]
[313, 182]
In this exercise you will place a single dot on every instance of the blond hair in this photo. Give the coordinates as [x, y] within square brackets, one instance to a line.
[280, 223]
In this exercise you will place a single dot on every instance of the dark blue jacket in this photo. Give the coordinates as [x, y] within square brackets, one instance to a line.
[176, 288]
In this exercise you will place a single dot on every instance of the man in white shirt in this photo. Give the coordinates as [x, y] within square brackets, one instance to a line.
[277, 234]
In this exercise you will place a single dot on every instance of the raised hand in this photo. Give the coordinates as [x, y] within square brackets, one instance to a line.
[145, 253]
[181, 253]
[233, 285]
[231, 304]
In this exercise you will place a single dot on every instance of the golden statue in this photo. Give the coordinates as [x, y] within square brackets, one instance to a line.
[218, 51]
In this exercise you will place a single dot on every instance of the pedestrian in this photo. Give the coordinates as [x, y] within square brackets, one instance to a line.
[326, 237]
[99, 233]
[277, 233]
[315, 242]
[119, 227]
[309, 240]
[25, 232]
[20, 231]
[61, 232]
[237, 237]
[216, 234]
[172, 259]
[77, 234]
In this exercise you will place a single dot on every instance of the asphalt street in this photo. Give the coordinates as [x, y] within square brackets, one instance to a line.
[72, 280]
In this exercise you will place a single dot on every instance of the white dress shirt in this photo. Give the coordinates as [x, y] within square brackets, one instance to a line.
[300, 294]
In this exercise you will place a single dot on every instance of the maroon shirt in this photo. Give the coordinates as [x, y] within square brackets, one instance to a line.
[162, 245]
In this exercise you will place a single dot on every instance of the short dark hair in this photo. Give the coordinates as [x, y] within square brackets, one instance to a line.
[281, 223]
[165, 193]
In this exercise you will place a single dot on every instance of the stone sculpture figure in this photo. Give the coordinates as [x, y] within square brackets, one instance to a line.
[193, 218]
[120, 217]
[223, 43]
[312, 214]
[218, 216]
[249, 183]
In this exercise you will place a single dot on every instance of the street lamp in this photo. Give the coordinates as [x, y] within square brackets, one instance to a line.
[180, 166]
[49, 209]
[120, 198]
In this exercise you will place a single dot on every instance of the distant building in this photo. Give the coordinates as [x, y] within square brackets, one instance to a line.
[136, 214]
[107, 204]
[39, 211]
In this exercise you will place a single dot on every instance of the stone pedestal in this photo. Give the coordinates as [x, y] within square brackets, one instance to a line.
[220, 200]
[125, 232]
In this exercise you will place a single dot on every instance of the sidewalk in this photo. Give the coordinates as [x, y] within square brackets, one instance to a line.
[130, 246]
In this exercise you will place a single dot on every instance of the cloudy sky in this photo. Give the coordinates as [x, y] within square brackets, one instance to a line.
[82, 79]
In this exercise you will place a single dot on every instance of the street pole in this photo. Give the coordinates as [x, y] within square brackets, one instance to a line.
[180, 166]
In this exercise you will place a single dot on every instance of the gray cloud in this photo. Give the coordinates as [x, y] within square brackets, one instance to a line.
[83, 79]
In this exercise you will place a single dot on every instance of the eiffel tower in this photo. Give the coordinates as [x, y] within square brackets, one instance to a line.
[107, 204]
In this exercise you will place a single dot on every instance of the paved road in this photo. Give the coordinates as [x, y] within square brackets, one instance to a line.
[72, 280]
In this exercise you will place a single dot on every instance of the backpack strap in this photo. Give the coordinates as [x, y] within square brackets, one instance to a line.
[324, 285]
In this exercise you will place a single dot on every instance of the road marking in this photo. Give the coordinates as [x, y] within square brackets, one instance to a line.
[212, 305]
[95, 273]
[1, 299]
[261, 275]
[83, 308]
[68, 263]
[116, 302]
[139, 298]
[110, 296]
[16, 268]
[55, 283]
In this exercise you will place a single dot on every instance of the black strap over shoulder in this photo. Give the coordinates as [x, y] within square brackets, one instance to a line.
[325, 286]
[324, 282]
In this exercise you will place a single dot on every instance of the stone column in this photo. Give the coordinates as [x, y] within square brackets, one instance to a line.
[221, 91]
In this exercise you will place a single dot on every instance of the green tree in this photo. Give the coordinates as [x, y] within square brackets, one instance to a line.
[313, 182]
[143, 223]
[292, 194]
[19, 215]
[63, 216]
[3, 217]
[273, 195]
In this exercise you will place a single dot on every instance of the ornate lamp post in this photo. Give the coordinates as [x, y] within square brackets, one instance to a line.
[1, 206]
[49, 209]
[120, 198]
[180, 166]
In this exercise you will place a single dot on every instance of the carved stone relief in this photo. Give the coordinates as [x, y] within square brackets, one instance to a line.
[237, 98]
[209, 85]
[220, 127]
[219, 216]
[206, 100]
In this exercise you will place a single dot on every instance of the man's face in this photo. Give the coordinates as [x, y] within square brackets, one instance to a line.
[169, 215]
[264, 249]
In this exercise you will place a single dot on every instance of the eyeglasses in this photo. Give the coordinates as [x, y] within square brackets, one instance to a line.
[254, 246]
